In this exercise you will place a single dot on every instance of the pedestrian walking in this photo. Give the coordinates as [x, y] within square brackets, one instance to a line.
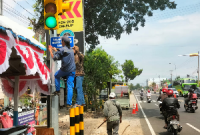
[79, 58]
[113, 114]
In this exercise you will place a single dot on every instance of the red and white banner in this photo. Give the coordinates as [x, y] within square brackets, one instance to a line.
[31, 56]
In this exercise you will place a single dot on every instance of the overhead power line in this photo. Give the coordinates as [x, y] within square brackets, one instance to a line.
[28, 3]
[23, 8]
[15, 11]
[15, 16]
[168, 13]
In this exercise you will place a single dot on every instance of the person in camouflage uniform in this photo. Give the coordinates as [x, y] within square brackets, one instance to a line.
[113, 111]
[79, 76]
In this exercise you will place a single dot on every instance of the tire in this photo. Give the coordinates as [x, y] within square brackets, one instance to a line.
[193, 110]
[175, 132]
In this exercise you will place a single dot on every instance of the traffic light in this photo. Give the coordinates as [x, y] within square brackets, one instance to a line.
[63, 6]
[50, 14]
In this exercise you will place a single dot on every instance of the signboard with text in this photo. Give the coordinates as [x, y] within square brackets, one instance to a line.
[72, 20]
[56, 42]
[26, 117]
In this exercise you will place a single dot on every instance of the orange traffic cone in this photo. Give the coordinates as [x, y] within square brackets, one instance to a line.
[136, 108]
[133, 111]
[174, 95]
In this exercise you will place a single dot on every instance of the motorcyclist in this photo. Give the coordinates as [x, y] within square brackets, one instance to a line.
[142, 92]
[148, 94]
[170, 101]
[162, 97]
[190, 94]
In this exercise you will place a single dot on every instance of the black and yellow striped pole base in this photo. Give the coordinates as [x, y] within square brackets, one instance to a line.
[81, 124]
[76, 121]
[72, 121]
[77, 118]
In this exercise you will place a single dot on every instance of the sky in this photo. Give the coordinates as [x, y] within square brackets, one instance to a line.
[166, 35]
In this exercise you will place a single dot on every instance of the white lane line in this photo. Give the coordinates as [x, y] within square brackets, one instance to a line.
[140, 101]
[193, 127]
[154, 101]
[156, 104]
[148, 123]
[144, 101]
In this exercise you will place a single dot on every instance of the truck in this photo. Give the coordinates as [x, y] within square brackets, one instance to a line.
[122, 96]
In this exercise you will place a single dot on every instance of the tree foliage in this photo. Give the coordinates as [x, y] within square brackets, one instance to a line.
[130, 71]
[110, 18]
[99, 67]
[131, 86]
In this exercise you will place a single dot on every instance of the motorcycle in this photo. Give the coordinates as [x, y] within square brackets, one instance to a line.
[192, 104]
[172, 122]
[149, 99]
[160, 106]
[141, 97]
[17, 130]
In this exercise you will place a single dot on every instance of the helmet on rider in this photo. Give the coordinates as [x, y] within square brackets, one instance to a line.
[191, 90]
[164, 90]
[170, 92]
[148, 91]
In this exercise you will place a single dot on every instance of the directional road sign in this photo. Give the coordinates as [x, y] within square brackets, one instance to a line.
[56, 42]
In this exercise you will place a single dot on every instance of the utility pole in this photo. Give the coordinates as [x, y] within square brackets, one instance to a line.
[1, 7]
[171, 77]
[198, 67]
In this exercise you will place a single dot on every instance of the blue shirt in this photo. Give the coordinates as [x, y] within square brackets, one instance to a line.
[66, 55]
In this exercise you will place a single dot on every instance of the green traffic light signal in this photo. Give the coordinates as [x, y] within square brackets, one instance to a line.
[51, 22]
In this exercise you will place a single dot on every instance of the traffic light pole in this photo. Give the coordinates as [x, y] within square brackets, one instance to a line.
[54, 99]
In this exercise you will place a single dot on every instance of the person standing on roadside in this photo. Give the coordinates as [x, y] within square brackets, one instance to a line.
[113, 114]
[79, 76]
[68, 67]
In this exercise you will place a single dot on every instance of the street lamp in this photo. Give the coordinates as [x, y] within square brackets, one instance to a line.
[192, 55]
[175, 67]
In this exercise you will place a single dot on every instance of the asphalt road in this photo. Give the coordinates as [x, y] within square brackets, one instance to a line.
[154, 121]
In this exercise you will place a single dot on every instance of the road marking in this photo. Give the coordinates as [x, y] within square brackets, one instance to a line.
[148, 123]
[154, 101]
[144, 101]
[193, 127]
[156, 104]
[140, 101]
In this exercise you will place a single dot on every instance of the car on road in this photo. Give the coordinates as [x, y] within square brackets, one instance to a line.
[174, 91]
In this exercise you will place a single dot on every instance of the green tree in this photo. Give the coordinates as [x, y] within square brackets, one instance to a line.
[131, 86]
[122, 77]
[110, 18]
[130, 71]
[138, 86]
[99, 68]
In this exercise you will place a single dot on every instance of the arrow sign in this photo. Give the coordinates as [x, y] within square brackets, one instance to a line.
[75, 9]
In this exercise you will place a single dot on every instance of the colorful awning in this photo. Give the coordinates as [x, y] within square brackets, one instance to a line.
[18, 53]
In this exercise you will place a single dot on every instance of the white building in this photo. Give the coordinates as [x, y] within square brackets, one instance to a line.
[155, 80]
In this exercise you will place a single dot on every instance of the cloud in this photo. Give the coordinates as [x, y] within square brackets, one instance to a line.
[158, 44]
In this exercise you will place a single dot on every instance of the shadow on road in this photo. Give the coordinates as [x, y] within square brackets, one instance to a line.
[165, 133]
